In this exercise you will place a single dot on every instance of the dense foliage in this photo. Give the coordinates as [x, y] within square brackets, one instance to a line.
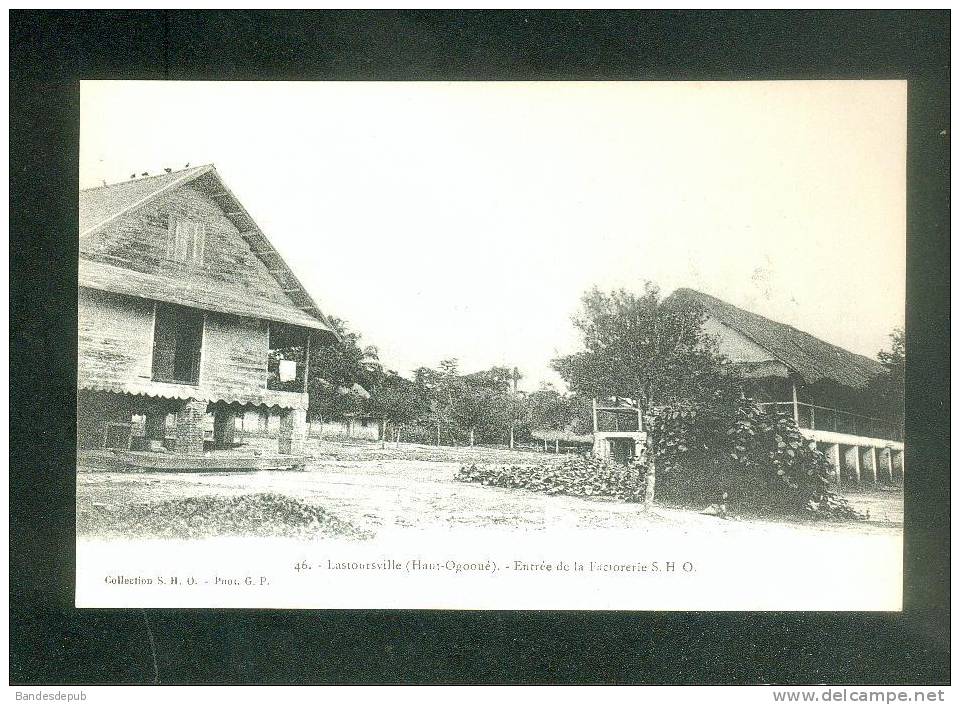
[707, 443]
[731, 452]
[888, 389]
[576, 475]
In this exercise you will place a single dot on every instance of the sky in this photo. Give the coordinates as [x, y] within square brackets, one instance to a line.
[467, 219]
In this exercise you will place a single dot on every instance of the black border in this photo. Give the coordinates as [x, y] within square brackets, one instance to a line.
[51, 642]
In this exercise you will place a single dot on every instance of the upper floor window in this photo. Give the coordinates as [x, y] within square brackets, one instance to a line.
[186, 240]
[177, 342]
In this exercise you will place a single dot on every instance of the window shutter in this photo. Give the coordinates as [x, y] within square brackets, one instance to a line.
[199, 240]
[171, 237]
[186, 240]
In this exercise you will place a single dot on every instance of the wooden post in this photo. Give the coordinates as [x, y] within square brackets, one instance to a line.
[813, 418]
[796, 406]
[595, 427]
[556, 446]
[306, 364]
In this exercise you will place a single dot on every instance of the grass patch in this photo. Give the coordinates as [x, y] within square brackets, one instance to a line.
[263, 514]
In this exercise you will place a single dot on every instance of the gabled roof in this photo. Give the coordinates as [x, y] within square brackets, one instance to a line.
[809, 357]
[104, 205]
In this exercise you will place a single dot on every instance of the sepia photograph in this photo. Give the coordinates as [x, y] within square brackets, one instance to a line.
[491, 345]
[479, 347]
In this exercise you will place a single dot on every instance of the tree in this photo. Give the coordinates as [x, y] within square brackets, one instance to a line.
[888, 390]
[436, 388]
[397, 400]
[337, 369]
[645, 349]
[518, 412]
[480, 402]
[549, 409]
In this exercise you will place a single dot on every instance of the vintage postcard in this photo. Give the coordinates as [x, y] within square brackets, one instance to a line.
[491, 345]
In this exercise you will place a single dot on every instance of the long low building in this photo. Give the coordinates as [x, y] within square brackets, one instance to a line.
[824, 387]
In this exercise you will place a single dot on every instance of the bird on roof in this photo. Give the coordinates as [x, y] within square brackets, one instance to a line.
[133, 176]
[146, 173]
[185, 166]
[167, 169]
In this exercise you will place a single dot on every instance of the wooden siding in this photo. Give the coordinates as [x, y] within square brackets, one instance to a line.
[115, 338]
[234, 353]
[137, 243]
[116, 351]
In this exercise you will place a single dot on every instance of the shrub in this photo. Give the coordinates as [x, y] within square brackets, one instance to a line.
[736, 452]
[576, 476]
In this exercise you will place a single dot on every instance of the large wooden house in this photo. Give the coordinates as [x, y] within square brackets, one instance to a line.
[825, 388]
[188, 318]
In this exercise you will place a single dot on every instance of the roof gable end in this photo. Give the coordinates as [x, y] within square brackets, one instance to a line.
[104, 206]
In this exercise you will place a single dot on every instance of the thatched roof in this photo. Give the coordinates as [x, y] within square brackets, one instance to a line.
[103, 206]
[814, 360]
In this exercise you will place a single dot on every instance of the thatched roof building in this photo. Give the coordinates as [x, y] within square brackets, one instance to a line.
[777, 349]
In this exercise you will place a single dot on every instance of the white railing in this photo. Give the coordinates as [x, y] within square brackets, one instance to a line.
[823, 418]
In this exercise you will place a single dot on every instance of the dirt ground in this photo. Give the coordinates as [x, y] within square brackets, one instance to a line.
[374, 488]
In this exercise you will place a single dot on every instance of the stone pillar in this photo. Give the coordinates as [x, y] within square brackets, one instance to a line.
[155, 427]
[833, 457]
[897, 467]
[885, 463]
[868, 462]
[293, 431]
[190, 427]
[851, 462]
[224, 427]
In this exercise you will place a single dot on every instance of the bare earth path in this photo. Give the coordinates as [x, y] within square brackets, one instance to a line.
[413, 487]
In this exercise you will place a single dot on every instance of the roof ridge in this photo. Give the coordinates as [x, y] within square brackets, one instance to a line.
[140, 179]
[799, 350]
[175, 179]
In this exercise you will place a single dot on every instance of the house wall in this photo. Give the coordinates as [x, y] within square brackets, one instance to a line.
[264, 424]
[366, 429]
[115, 353]
[234, 357]
[734, 345]
[114, 337]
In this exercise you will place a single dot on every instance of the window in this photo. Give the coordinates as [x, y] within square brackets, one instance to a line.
[177, 338]
[186, 240]
[286, 358]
